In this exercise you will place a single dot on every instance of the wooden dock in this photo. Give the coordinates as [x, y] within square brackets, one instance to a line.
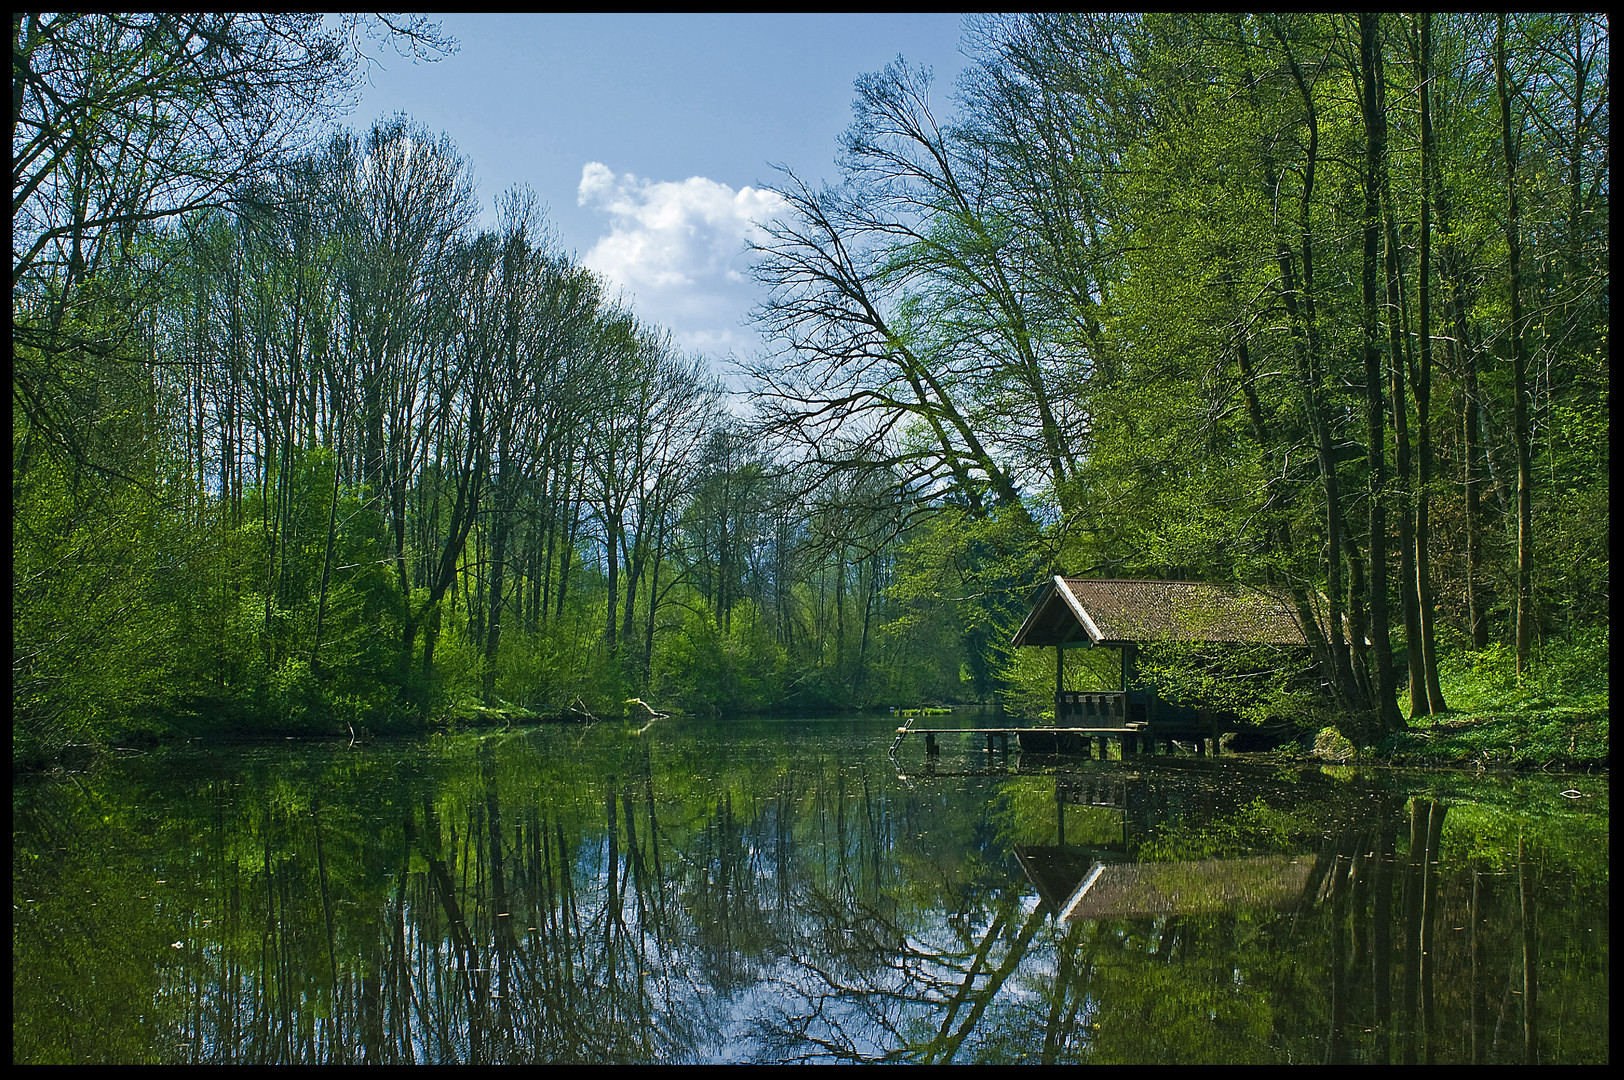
[1135, 738]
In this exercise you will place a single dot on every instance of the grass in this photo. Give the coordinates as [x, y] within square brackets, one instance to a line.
[1554, 717]
[1551, 739]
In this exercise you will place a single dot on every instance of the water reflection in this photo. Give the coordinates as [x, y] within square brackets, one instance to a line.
[776, 892]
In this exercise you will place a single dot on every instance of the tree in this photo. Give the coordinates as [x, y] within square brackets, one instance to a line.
[864, 350]
[549, 321]
[119, 121]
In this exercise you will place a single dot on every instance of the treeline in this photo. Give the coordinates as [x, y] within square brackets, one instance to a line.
[298, 445]
[1316, 302]
[1305, 301]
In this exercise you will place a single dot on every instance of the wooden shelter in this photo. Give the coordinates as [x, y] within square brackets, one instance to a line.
[1080, 613]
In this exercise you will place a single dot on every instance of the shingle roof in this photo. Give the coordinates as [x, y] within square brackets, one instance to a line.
[1115, 611]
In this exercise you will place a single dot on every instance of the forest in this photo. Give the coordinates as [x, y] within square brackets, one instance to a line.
[1311, 302]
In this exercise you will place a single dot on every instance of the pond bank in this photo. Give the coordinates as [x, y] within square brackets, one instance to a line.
[1550, 740]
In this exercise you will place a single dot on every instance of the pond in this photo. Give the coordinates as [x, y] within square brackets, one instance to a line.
[787, 890]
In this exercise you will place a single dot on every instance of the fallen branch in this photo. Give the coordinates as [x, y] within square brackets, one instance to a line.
[653, 713]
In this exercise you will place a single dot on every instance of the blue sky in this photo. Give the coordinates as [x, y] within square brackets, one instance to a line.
[647, 137]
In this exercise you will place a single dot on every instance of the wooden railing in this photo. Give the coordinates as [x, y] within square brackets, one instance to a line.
[1136, 709]
[1091, 708]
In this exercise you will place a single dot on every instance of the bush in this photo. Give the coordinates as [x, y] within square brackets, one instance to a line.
[1561, 674]
[708, 670]
[295, 698]
[1332, 745]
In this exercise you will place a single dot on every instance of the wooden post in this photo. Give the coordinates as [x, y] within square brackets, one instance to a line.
[931, 749]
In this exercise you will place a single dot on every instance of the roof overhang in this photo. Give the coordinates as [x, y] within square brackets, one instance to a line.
[1057, 618]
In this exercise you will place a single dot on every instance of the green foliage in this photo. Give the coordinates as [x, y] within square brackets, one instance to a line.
[976, 570]
[1255, 829]
[544, 671]
[919, 653]
[1029, 674]
[1573, 511]
[1570, 675]
[93, 623]
[1257, 683]
[293, 692]
[1553, 739]
[707, 670]
[1556, 716]
[455, 677]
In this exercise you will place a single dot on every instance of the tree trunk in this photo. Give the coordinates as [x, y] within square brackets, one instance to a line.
[1423, 382]
[1519, 368]
[501, 524]
[1375, 123]
[1477, 595]
[327, 556]
[1463, 355]
[1305, 334]
[1399, 361]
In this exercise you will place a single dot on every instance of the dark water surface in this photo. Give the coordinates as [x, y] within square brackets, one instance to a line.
[784, 890]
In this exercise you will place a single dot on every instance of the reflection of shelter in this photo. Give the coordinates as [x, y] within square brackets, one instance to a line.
[1083, 613]
[1076, 887]
[1100, 881]
[1055, 871]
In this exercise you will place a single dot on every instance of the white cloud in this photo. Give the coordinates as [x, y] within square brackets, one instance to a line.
[678, 248]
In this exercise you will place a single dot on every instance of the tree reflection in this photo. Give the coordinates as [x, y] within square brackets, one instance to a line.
[593, 901]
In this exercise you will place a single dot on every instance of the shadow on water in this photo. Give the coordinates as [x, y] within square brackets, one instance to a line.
[774, 891]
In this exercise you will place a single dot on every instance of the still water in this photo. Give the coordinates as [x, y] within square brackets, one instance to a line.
[787, 891]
